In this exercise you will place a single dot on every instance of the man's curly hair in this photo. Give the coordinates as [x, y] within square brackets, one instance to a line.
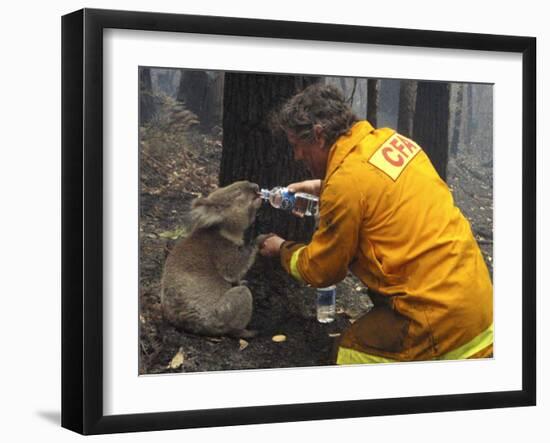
[318, 104]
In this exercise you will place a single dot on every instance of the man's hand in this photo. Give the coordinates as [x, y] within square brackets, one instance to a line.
[260, 239]
[308, 186]
[271, 246]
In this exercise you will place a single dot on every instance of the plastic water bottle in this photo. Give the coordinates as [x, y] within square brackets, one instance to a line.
[326, 304]
[299, 203]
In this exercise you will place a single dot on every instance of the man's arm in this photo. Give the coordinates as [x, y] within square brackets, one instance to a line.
[309, 186]
[324, 261]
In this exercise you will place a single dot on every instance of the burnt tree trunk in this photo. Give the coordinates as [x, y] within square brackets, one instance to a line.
[455, 138]
[193, 89]
[201, 91]
[252, 152]
[215, 99]
[468, 117]
[407, 104]
[373, 97]
[431, 123]
[146, 100]
[485, 130]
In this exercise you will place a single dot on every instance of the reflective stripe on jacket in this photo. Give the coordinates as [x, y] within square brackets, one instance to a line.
[386, 215]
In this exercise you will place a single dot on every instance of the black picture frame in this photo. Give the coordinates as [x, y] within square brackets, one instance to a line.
[82, 218]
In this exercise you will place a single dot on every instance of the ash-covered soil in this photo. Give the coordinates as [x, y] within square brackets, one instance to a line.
[471, 182]
[174, 171]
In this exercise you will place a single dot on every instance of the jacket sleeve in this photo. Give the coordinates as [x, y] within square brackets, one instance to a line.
[324, 261]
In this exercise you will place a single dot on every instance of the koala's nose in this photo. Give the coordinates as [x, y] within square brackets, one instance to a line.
[255, 187]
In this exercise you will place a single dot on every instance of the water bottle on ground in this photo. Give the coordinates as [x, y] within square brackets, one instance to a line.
[300, 203]
[326, 304]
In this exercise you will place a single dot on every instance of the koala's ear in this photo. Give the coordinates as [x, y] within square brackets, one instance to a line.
[204, 214]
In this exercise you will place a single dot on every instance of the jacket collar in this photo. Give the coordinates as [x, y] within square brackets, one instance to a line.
[345, 144]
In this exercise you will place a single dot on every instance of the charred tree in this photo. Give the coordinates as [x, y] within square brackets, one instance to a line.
[201, 91]
[215, 99]
[351, 98]
[343, 84]
[373, 98]
[431, 122]
[146, 99]
[407, 104]
[354, 91]
[459, 103]
[468, 116]
[192, 91]
[485, 118]
[252, 152]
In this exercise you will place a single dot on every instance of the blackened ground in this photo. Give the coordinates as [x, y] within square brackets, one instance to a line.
[471, 182]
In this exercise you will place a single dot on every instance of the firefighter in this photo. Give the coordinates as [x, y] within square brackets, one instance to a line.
[386, 216]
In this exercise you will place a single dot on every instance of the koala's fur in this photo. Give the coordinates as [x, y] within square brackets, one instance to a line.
[202, 291]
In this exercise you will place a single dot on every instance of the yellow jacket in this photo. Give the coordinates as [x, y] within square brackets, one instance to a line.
[386, 215]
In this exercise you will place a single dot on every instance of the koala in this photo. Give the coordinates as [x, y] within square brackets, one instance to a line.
[202, 289]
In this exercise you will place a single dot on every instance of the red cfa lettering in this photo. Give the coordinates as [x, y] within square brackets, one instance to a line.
[410, 145]
[394, 155]
[406, 144]
[398, 161]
